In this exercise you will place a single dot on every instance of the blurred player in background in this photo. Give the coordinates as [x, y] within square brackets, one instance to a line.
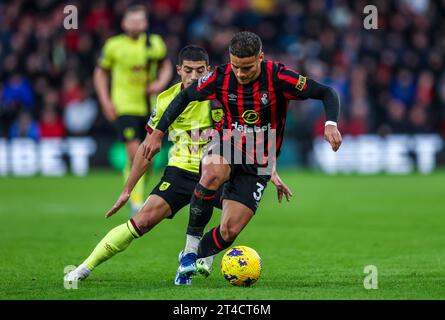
[137, 64]
[180, 177]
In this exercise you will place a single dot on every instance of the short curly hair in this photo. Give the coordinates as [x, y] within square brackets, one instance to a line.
[245, 44]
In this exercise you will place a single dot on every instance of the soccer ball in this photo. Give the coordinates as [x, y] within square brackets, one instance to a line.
[241, 266]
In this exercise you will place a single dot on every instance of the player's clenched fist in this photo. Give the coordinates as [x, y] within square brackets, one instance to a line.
[333, 136]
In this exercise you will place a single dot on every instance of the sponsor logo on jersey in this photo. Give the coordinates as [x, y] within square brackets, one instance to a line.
[250, 116]
[138, 68]
[301, 82]
[164, 186]
[217, 114]
[246, 129]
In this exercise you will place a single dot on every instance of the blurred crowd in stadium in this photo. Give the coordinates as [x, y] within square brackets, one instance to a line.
[391, 80]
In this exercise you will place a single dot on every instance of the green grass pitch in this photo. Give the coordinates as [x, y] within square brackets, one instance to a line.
[315, 247]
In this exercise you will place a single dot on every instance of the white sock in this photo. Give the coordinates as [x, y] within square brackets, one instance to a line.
[80, 273]
[191, 244]
[83, 270]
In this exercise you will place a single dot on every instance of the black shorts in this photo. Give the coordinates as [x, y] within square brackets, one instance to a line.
[245, 187]
[176, 188]
[247, 182]
[131, 127]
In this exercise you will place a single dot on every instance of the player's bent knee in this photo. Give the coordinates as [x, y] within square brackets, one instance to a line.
[146, 219]
[212, 177]
[210, 181]
[213, 160]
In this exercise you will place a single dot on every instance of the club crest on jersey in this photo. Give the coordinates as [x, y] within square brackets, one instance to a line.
[129, 133]
[264, 97]
[217, 114]
[301, 82]
[164, 186]
[250, 116]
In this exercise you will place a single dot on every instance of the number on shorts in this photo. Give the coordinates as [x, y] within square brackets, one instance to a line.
[259, 192]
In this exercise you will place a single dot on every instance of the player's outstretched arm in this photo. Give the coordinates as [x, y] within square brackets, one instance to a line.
[331, 104]
[152, 145]
[296, 86]
[140, 165]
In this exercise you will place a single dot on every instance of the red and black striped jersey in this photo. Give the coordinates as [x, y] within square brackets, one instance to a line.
[256, 109]
[259, 107]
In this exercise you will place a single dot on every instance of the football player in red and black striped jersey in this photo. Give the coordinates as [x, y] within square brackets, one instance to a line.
[254, 94]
